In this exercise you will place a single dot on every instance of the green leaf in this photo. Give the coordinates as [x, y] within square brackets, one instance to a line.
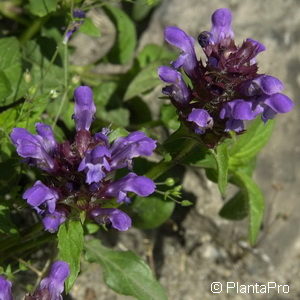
[222, 160]
[118, 116]
[119, 132]
[42, 8]
[6, 225]
[123, 49]
[141, 8]
[169, 116]
[70, 246]
[255, 203]
[144, 81]
[45, 75]
[5, 88]
[153, 53]
[11, 70]
[88, 27]
[151, 212]
[250, 143]
[125, 273]
[235, 208]
[103, 93]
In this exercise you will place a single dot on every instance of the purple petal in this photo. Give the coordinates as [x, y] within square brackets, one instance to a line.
[202, 118]
[268, 114]
[39, 194]
[235, 125]
[188, 59]
[263, 84]
[54, 283]
[139, 185]
[78, 13]
[31, 146]
[221, 25]
[5, 289]
[242, 110]
[280, 103]
[47, 137]
[126, 148]
[118, 219]
[179, 90]
[84, 107]
[258, 47]
[94, 173]
[95, 164]
[52, 221]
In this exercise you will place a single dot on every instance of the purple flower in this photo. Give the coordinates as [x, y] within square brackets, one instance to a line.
[38, 148]
[260, 85]
[39, 195]
[178, 88]
[84, 107]
[82, 171]
[221, 25]
[5, 289]
[51, 287]
[52, 221]
[78, 13]
[225, 90]
[124, 149]
[139, 185]
[80, 16]
[117, 218]
[96, 164]
[187, 59]
[202, 119]
[274, 104]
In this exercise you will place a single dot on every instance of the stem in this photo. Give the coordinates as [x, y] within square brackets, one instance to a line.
[163, 166]
[32, 244]
[33, 29]
[14, 241]
[29, 266]
[66, 73]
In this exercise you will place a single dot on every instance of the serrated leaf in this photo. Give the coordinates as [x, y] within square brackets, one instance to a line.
[235, 208]
[251, 142]
[144, 81]
[222, 160]
[88, 27]
[125, 273]
[70, 246]
[255, 204]
[123, 49]
[150, 212]
[42, 8]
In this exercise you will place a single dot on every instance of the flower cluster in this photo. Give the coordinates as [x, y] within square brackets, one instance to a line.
[50, 288]
[79, 174]
[226, 90]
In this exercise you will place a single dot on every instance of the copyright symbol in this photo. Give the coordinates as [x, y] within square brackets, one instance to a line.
[216, 287]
